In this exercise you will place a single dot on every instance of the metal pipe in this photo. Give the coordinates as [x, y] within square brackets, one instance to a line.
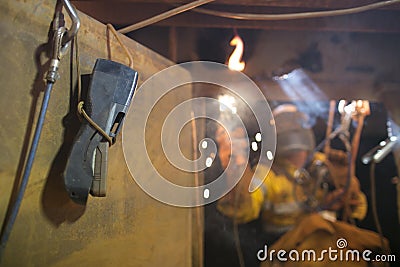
[301, 15]
[164, 15]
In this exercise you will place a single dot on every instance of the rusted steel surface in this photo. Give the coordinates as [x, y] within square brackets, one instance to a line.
[126, 228]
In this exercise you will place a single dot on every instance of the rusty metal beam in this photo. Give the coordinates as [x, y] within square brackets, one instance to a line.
[329, 4]
[125, 13]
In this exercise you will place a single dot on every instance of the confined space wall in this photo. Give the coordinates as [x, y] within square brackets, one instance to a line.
[126, 228]
[345, 65]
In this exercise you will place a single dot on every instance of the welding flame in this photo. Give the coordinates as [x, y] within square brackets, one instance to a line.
[234, 62]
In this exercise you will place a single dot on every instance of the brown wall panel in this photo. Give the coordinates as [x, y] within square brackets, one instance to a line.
[126, 228]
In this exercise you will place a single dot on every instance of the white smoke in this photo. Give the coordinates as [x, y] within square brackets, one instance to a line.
[310, 99]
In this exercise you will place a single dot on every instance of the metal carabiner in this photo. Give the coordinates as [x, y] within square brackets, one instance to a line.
[62, 38]
[57, 53]
[75, 23]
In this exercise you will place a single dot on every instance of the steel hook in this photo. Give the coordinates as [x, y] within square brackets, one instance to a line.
[75, 23]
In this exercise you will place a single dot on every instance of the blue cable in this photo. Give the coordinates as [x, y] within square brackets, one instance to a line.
[10, 220]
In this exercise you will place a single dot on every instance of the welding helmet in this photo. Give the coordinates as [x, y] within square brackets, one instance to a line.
[293, 130]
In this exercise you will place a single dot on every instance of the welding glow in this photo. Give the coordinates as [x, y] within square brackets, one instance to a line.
[391, 139]
[234, 62]
[341, 105]
[282, 77]
[227, 102]
[349, 109]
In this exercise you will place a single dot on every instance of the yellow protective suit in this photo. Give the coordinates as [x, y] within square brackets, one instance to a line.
[277, 199]
[349, 245]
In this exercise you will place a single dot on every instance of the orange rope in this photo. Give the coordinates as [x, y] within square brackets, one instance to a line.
[116, 34]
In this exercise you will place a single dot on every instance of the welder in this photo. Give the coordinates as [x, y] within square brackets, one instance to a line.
[300, 181]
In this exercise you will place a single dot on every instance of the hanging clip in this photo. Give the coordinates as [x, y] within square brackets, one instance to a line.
[110, 92]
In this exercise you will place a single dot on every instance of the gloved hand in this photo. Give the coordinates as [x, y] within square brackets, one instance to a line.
[353, 200]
